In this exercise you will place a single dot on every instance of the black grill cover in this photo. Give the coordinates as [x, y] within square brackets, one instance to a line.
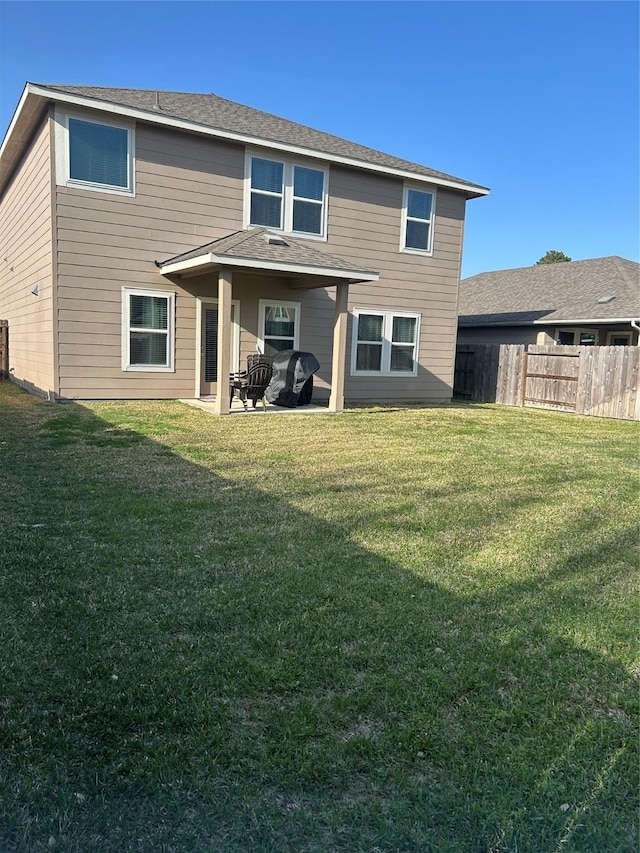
[292, 379]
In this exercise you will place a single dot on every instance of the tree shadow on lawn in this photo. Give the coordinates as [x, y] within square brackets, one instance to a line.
[192, 664]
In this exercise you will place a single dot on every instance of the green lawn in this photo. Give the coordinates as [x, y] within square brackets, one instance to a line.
[405, 629]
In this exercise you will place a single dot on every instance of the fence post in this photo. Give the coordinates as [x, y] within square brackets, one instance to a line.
[4, 349]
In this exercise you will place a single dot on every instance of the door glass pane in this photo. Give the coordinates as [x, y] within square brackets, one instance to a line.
[307, 217]
[98, 153]
[417, 235]
[211, 345]
[401, 358]
[266, 175]
[404, 330]
[369, 357]
[370, 327]
[266, 210]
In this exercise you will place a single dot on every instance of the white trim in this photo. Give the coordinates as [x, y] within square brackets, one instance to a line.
[202, 301]
[127, 367]
[297, 150]
[287, 196]
[578, 321]
[210, 260]
[63, 167]
[428, 252]
[295, 306]
[386, 343]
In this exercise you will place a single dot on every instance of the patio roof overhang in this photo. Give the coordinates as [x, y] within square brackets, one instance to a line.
[261, 251]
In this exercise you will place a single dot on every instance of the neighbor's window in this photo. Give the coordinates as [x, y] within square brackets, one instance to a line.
[148, 322]
[384, 343]
[100, 155]
[577, 337]
[417, 215]
[279, 326]
[287, 196]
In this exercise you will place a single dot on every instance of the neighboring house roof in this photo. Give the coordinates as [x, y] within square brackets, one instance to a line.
[258, 248]
[227, 119]
[552, 293]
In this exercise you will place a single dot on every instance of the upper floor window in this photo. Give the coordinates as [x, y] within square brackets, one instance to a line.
[287, 196]
[384, 342]
[96, 155]
[417, 221]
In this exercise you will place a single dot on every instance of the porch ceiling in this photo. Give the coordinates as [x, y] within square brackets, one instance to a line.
[262, 251]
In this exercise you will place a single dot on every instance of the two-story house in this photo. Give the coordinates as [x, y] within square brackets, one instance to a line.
[150, 241]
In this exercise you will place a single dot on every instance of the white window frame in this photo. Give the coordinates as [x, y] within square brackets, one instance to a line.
[577, 331]
[620, 334]
[63, 162]
[295, 306]
[387, 343]
[286, 213]
[126, 331]
[428, 252]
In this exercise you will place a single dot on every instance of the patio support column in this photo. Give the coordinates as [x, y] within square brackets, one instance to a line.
[336, 399]
[221, 405]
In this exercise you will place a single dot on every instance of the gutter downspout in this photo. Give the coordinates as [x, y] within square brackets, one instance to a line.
[634, 325]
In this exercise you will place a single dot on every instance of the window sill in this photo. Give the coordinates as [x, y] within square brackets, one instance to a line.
[149, 368]
[99, 188]
[386, 374]
[298, 235]
[422, 252]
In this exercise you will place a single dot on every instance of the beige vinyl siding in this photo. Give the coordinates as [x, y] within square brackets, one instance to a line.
[25, 226]
[188, 191]
[365, 223]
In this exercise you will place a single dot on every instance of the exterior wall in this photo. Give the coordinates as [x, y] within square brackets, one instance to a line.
[542, 335]
[365, 224]
[25, 226]
[189, 190]
[499, 335]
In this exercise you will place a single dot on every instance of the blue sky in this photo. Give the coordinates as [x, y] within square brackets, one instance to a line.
[537, 100]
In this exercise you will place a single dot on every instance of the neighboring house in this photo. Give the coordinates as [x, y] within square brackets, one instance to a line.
[577, 302]
[150, 241]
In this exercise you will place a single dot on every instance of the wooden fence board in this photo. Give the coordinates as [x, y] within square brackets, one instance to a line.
[597, 381]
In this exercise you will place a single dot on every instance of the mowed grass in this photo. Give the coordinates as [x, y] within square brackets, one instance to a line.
[400, 629]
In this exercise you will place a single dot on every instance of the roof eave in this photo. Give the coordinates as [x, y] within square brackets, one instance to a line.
[210, 261]
[32, 89]
[551, 322]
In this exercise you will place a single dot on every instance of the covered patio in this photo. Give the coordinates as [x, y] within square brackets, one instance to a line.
[264, 253]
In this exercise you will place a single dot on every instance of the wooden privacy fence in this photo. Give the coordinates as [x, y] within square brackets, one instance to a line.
[4, 349]
[600, 381]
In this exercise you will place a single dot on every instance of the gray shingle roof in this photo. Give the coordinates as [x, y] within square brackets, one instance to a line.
[560, 292]
[219, 113]
[259, 244]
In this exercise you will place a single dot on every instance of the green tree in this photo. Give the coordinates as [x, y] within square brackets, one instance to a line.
[553, 256]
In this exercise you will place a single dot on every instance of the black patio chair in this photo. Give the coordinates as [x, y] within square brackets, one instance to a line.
[251, 384]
